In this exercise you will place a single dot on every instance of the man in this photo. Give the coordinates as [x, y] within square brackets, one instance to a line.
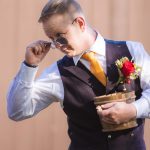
[71, 82]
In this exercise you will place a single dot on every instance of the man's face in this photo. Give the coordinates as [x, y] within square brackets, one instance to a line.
[65, 33]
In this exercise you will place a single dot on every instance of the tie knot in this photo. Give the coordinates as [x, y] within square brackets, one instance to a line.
[88, 56]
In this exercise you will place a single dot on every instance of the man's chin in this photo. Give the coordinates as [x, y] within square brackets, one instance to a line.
[72, 54]
[69, 55]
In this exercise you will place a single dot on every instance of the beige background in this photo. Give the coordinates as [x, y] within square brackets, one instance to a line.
[114, 19]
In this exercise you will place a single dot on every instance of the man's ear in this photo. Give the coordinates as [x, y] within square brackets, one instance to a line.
[80, 22]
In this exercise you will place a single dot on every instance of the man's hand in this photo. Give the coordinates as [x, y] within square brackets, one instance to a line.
[116, 112]
[35, 52]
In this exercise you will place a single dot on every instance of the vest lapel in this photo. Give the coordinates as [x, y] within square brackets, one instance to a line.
[79, 71]
[81, 74]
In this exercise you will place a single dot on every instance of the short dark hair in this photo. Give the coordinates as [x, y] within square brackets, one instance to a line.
[59, 7]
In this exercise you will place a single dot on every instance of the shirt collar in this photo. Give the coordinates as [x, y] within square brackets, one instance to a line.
[98, 47]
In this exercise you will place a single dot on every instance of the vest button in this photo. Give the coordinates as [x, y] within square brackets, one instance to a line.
[109, 136]
[132, 134]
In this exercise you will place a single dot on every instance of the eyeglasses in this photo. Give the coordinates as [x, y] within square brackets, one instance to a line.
[60, 40]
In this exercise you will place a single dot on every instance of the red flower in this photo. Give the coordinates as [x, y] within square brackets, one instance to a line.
[127, 68]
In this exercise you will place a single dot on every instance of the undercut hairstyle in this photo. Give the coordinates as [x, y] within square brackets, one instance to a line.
[59, 7]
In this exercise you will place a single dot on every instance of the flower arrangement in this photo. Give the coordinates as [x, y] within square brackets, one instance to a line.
[128, 70]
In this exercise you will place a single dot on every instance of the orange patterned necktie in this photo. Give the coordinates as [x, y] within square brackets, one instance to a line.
[95, 67]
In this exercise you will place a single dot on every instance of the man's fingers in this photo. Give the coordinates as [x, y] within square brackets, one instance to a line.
[108, 120]
[36, 51]
[108, 105]
[105, 115]
[46, 44]
[40, 47]
[102, 112]
[99, 110]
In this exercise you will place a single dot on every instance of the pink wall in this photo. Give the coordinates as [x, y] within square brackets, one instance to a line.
[48, 130]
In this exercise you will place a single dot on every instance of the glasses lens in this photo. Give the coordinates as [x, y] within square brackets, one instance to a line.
[62, 41]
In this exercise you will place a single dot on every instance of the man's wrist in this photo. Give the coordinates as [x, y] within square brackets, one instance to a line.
[134, 110]
[27, 74]
[29, 65]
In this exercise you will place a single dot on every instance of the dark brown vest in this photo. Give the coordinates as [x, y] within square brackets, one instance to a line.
[80, 88]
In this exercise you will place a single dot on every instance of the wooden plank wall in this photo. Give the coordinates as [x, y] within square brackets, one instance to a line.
[114, 19]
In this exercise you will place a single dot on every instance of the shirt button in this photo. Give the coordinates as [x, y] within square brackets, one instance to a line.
[132, 134]
[109, 136]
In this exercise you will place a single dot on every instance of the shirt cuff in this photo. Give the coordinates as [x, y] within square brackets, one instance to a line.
[142, 107]
[27, 74]
[33, 66]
